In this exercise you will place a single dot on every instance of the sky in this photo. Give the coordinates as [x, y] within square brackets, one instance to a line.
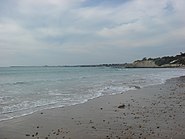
[73, 32]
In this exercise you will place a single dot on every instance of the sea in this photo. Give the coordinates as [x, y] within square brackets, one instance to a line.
[25, 90]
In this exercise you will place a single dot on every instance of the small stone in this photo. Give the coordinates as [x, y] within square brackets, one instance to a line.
[121, 106]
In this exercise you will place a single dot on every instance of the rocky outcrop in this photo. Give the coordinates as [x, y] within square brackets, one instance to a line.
[142, 64]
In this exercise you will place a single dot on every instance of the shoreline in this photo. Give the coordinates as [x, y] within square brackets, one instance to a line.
[132, 88]
[140, 115]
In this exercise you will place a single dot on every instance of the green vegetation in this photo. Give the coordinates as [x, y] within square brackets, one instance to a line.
[178, 59]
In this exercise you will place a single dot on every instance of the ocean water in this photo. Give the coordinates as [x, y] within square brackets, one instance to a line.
[24, 90]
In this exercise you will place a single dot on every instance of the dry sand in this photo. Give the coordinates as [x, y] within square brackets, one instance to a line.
[154, 112]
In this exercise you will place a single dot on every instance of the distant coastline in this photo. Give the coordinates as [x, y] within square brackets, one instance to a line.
[159, 62]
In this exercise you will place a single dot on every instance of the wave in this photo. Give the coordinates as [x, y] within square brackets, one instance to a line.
[19, 83]
[25, 82]
[37, 95]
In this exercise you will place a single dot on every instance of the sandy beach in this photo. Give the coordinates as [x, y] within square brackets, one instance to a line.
[154, 112]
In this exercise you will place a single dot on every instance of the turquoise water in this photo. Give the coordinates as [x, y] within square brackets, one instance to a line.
[24, 90]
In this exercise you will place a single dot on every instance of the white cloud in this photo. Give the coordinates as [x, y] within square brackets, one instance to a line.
[15, 39]
[123, 30]
[70, 27]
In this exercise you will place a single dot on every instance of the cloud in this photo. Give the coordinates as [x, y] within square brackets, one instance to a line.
[50, 30]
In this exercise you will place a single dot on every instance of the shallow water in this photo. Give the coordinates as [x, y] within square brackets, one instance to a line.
[24, 90]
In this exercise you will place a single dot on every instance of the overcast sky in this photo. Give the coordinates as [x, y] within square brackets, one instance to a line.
[71, 32]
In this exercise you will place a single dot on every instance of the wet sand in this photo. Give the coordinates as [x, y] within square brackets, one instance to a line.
[154, 112]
